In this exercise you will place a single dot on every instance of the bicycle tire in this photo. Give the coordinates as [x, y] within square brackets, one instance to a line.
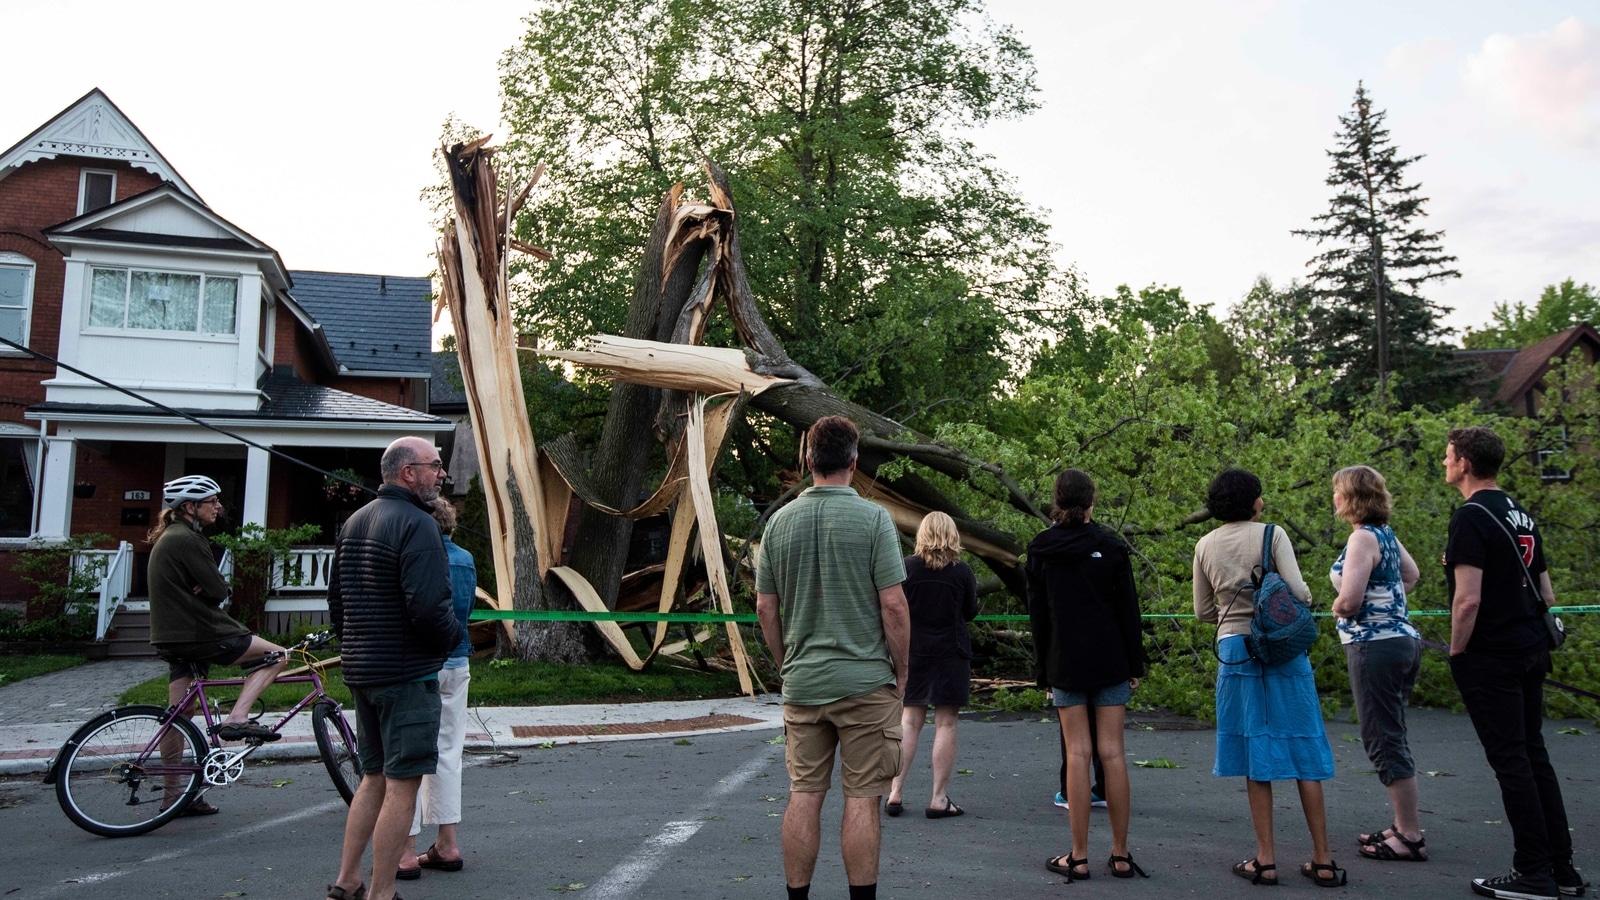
[100, 780]
[338, 752]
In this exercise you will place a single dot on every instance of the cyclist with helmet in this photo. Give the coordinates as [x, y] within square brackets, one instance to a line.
[186, 620]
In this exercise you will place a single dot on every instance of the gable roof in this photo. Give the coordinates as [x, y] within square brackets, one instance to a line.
[94, 127]
[446, 393]
[1524, 372]
[375, 324]
[165, 216]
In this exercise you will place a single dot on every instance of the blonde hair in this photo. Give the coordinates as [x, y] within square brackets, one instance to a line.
[1366, 496]
[165, 520]
[938, 541]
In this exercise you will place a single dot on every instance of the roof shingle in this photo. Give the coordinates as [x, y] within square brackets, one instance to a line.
[374, 323]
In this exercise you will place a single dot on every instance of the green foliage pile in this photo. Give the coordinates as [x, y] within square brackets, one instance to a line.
[1150, 408]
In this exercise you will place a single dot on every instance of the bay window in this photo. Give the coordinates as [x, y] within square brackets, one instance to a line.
[162, 301]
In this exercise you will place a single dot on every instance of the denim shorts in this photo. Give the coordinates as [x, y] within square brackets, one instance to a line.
[1111, 695]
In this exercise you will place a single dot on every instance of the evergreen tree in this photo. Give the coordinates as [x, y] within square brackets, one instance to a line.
[1374, 217]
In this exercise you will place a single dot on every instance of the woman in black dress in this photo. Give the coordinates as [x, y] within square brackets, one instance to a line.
[943, 595]
[1089, 649]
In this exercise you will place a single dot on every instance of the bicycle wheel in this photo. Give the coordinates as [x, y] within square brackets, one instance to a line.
[114, 779]
[337, 746]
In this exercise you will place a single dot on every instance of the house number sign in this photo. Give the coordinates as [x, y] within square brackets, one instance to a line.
[136, 495]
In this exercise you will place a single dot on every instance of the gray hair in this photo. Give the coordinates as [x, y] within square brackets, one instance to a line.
[398, 455]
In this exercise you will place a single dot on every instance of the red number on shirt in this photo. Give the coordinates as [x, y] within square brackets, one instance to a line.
[1525, 541]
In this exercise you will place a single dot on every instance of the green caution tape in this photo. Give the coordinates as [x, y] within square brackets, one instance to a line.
[573, 615]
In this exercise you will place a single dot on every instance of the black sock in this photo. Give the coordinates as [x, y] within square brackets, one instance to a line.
[803, 892]
[864, 891]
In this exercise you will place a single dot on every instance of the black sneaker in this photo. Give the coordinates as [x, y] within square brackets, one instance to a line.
[1569, 880]
[1518, 886]
[245, 731]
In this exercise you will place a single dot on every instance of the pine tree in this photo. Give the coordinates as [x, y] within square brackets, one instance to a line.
[1364, 328]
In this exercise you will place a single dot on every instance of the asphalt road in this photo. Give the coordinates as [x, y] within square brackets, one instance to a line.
[663, 818]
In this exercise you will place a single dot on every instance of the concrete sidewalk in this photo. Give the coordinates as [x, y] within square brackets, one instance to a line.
[39, 714]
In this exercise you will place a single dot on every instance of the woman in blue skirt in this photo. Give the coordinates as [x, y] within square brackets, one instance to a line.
[1269, 720]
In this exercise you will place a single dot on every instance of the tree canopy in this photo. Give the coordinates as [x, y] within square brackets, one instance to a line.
[1371, 236]
[890, 257]
[1559, 307]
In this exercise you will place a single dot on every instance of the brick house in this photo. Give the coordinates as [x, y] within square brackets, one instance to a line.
[111, 262]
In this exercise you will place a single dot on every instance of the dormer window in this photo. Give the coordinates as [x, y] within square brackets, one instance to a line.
[96, 189]
[162, 301]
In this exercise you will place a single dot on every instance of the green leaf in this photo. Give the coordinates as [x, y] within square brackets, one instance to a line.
[280, 782]
[963, 771]
[683, 742]
[1579, 731]
[1158, 763]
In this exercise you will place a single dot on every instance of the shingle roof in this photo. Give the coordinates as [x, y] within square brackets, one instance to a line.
[288, 398]
[374, 323]
[446, 393]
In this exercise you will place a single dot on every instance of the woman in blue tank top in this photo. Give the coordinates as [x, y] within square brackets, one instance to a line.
[1383, 652]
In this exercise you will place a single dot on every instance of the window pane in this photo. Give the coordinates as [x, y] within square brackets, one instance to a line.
[97, 188]
[16, 488]
[11, 325]
[108, 295]
[163, 301]
[13, 287]
[220, 297]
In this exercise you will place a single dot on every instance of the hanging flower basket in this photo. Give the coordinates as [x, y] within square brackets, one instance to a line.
[339, 492]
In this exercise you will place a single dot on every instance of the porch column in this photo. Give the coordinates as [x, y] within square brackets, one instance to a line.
[257, 466]
[55, 494]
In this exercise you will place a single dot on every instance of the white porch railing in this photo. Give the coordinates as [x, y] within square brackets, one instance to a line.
[304, 570]
[113, 570]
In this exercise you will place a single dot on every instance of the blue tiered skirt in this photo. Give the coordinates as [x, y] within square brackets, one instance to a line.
[1269, 721]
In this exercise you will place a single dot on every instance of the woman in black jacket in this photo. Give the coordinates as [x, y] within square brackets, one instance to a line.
[1088, 647]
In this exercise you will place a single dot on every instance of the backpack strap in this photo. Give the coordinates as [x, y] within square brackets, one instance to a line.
[1266, 551]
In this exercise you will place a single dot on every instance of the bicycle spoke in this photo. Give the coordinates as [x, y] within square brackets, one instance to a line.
[118, 780]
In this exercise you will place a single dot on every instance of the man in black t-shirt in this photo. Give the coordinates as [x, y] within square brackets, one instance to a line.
[1499, 656]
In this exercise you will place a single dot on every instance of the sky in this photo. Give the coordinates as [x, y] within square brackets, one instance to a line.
[1177, 143]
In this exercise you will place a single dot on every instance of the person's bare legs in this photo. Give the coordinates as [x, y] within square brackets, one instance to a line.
[1119, 794]
[945, 719]
[911, 719]
[1403, 798]
[257, 682]
[391, 833]
[358, 825]
[1316, 820]
[1260, 793]
[172, 742]
[802, 832]
[1080, 751]
[858, 840]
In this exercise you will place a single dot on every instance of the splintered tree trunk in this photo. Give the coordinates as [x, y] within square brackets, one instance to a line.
[600, 550]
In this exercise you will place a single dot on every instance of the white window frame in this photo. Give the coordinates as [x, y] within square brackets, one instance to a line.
[1549, 473]
[83, 187]
[17, 260]
[200, 311]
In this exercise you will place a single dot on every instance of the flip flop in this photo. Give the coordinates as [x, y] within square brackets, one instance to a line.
[950, 810]
[430, 859]
[894, 808]
[338, 893]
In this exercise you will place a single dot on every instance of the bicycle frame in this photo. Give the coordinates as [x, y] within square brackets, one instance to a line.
[197, 692]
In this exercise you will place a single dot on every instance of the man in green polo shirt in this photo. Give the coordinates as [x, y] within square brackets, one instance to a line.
[833, 614]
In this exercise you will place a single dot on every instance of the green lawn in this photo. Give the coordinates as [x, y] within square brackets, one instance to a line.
[16, 668]
[508, 683]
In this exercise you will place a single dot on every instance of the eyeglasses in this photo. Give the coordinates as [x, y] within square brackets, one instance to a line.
[437, 465]
[217, 501]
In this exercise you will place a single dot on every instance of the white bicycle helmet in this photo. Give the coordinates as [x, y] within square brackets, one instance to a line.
[179, 491]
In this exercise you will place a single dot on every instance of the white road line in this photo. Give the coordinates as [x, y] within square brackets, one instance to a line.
[627, 877]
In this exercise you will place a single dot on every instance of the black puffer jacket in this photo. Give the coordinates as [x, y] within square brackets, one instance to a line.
[389, 592]
[1085, 612]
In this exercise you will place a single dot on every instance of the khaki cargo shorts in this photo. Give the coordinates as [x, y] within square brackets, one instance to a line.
[866, 731]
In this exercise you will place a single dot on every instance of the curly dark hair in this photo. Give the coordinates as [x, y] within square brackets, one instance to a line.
[1232, 495]
[1074, 495]
[1480, 447]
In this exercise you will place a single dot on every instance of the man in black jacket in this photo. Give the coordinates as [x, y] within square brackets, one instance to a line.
[389, 602]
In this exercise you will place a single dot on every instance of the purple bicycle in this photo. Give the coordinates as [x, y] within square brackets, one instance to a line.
[133, 769]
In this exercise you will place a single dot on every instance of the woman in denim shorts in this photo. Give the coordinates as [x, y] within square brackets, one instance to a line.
[1383, 652]
[1089, 648]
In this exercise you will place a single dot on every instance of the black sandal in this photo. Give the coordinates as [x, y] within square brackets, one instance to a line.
[1132, 867]
[338, 893]
[1245, 870]
[894, 808]
[1068, 868]
[1329, 875]
[1382, 850]
[1373, 837]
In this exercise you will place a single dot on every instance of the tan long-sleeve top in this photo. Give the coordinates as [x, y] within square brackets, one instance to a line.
[1224, 561]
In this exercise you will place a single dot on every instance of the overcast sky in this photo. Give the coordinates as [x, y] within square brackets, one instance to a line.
[1178, 143]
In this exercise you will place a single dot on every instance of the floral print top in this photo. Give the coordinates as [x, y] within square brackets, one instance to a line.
[1383, 608]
